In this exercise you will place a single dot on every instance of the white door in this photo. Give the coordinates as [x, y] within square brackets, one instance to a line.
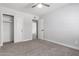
[8, 29]
[41, 29]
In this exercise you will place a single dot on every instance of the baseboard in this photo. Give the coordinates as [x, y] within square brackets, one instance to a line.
[22, 41]
[73, 47]
[17, 42]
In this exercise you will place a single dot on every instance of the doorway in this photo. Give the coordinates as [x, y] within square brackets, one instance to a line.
[34, 29]
[8, 28]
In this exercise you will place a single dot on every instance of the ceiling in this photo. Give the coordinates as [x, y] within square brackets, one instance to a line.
[26, 7]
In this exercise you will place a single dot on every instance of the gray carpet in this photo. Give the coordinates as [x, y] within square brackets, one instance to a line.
[36, 48]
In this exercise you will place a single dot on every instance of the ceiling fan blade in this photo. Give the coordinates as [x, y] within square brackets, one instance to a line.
[35, 5]
[29, 5]
[45, 4]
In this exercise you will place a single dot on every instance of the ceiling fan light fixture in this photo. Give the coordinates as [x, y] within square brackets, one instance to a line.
[40, 5]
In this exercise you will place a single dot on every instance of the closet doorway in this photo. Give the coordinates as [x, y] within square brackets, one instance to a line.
[34, 29]
[8, 28]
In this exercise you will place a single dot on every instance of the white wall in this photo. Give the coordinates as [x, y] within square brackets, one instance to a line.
[27, 27]
[62, 26]
[22, 24]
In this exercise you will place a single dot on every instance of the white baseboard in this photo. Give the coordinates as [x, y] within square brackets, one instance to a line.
[22, 40]
[17, 42]
[73, 47]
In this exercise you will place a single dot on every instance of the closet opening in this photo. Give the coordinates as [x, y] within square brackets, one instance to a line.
[34, 29]
[8, 28]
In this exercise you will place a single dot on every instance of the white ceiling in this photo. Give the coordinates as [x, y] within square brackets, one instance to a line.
[26, 7]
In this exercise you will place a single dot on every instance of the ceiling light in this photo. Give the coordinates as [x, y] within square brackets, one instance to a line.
[40, 5]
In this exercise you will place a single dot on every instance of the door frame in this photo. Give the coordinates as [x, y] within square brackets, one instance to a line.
[12, 26]
[1, 29]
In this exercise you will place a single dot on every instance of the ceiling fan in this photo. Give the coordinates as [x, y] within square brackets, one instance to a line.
[40, 5]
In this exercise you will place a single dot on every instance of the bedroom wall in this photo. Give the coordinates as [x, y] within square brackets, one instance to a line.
[22, 24]
[62, 26]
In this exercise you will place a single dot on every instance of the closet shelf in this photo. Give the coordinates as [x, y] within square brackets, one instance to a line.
[7, 21]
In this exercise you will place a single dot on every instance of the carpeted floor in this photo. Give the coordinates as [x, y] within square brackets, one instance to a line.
[36, 48]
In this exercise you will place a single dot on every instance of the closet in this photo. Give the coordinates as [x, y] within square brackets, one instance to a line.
[8, 28]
